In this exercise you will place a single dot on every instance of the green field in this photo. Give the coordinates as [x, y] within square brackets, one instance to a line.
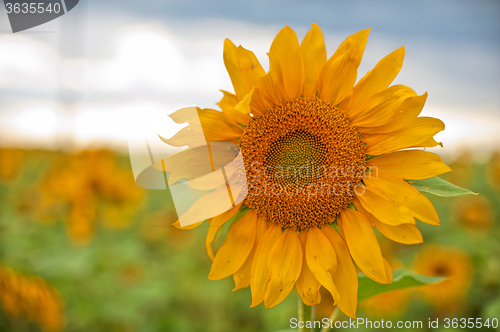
[109, 250]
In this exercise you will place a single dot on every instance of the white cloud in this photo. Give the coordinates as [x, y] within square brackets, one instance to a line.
[27, 65]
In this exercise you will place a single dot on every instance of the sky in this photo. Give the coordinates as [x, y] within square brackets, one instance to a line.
[85, 79]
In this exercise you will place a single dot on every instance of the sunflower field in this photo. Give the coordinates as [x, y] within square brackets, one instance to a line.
[99, 254]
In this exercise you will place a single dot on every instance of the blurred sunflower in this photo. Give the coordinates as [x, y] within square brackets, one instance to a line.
[11, 162]
[456, 265]
[474, 213]
[32, 298]
[341, 140]
[387, 305]
[91, 184]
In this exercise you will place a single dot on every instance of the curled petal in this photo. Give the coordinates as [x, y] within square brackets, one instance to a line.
[321, 259]
[345, 277]
[307, 285]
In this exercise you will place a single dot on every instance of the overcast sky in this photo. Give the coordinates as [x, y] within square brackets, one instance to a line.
[76, 78]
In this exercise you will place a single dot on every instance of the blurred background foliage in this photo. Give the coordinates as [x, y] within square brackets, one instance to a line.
[82, 248]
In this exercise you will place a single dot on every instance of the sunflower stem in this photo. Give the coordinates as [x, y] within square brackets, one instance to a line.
[305, 314]
[333, 318]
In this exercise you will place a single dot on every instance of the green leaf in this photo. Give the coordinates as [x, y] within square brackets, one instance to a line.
[401, 279]
[440, 187]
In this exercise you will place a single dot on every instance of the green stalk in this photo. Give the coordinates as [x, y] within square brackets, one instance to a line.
[305, 314]
[333, 317]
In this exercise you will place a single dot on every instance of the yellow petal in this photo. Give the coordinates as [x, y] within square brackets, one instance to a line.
[377, 79]
[418, 132]
[363, 245]
[388, 211]
[193, 134]
[405, 194]
[339, 74]
[244, 105]
[360, 38]
[260, 104]
[388, 270]
[242, 276]
[190, 135]
[185, 114]
[287, 50]
[190, 169]
[271, 85]
[284, 264]
[227, 104]
[409, 164]
[429, 143]
[235, 250]
[177, 224]
[206, 206]
[215, 224]
[231, 63]
[406, 113]
[404, 233]
[250, 68]
[321, 259]
[382, 107]
[307, 285]
[212, 180]
[196, 162]
[314, 57]
[260, 271]
[170, 162]
[228, 100]
[216, 127]
[345, 277]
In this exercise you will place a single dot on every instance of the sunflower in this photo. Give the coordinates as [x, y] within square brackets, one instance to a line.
[387, 305]
[11, 162]
[321, 165]
[92, 186]
[456, 265]
[31, 297]
[475, 213]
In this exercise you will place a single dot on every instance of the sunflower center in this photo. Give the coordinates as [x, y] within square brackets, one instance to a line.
[292, 155]
[441, 270]
[303, 161]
